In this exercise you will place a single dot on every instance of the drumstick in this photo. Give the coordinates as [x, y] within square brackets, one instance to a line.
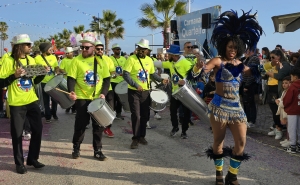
[63, 91]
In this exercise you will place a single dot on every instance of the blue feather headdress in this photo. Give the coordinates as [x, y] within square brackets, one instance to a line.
[245, 27]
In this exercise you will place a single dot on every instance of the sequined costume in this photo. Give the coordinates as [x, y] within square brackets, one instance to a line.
[228, 109]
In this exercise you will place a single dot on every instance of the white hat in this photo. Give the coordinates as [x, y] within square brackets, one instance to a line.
[98, 42]
[115, 46]
[21, 39]
[69, 50]
[89, 39]
[144, 43]
[13, 40]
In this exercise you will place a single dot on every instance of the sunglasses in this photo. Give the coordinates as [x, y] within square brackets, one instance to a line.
[28, 45]
[117, 49]
[190, 47]
[99, 49]
[85, 47]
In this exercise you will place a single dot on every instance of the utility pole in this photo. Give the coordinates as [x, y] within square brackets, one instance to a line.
[99, 27]
[189, 6]
[152, 41]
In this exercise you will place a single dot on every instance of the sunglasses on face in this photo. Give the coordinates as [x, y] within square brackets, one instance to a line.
[190, 47]
[28, 45]
[85, 47]
[117, 49]
[99, 49]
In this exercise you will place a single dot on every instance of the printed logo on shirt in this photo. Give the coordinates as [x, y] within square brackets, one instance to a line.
[142, 76]
[25, 84]
[175, 79]
[119, 70]
[89, 78]
[50, 71]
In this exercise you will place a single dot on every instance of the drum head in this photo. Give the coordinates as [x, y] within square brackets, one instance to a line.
[159, 96]
[121, 88]
[153, 85]
[96, 105]
[53, 83]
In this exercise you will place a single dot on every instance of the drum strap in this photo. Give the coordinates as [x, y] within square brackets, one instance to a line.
[47, 62]
[149, 86]
[116, 60]
[177, 72]
[95, 73]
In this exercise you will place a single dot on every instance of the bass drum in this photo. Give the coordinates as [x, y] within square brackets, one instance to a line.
[121, 90]
[39, 94]
[189, 98]
[101, 112]
[61, 98]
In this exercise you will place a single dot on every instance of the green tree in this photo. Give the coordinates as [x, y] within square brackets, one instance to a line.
[79, 29]
[160, 13]
[36, 44]
[64, 38]
[4, 36]
[110, 27]
[58, 41]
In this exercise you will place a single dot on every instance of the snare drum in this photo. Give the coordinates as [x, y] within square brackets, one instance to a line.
[121, 90]
[159, 100]
[61, 98]
[101, 112]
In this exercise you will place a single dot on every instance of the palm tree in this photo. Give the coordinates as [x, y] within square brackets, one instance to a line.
[4, 37]
[111, 27]
[160, 13]
[3, 30]
[58, 41]
[36, 44]
[79, 29]
[65, 38]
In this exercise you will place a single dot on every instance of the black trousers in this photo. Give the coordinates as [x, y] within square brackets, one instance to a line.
[117, 102]
[249, 102]
[110, 100]
[27, 125]
[49, 112]
[174, 105]
[1, 99]
[73, 108]
[81, 121]
[18, 116]
[139, 107]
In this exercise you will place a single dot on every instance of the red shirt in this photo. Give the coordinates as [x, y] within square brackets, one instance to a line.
[291, 100]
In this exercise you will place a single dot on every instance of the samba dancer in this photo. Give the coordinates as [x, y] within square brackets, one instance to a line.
[137, 72]
[232, 36]
[87, 79]
[26, 107]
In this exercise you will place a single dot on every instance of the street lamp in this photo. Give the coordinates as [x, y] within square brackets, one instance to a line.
[152, 40]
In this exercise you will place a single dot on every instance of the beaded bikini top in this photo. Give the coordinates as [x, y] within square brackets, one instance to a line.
[229, 75]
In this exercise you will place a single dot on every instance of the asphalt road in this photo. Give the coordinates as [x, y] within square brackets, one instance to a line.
[164, 161]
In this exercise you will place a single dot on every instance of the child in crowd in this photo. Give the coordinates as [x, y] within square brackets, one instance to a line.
[280, 111]
[291, 103]
[210, 88]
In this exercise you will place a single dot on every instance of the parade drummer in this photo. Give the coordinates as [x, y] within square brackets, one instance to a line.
[99, 54]
[137, 72]
[47, 59]
[179, 68]
[88, 79]
[23, 102]
[119, 62]
[65, 66]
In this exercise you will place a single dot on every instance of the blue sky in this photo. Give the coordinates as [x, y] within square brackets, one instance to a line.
[41, 18]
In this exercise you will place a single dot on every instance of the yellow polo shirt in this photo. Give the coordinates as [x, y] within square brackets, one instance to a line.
[82, 69]
[137, 73]
[119, 63]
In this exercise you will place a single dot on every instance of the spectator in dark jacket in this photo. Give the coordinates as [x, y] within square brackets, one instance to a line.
[284, 68]
[250, 88]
